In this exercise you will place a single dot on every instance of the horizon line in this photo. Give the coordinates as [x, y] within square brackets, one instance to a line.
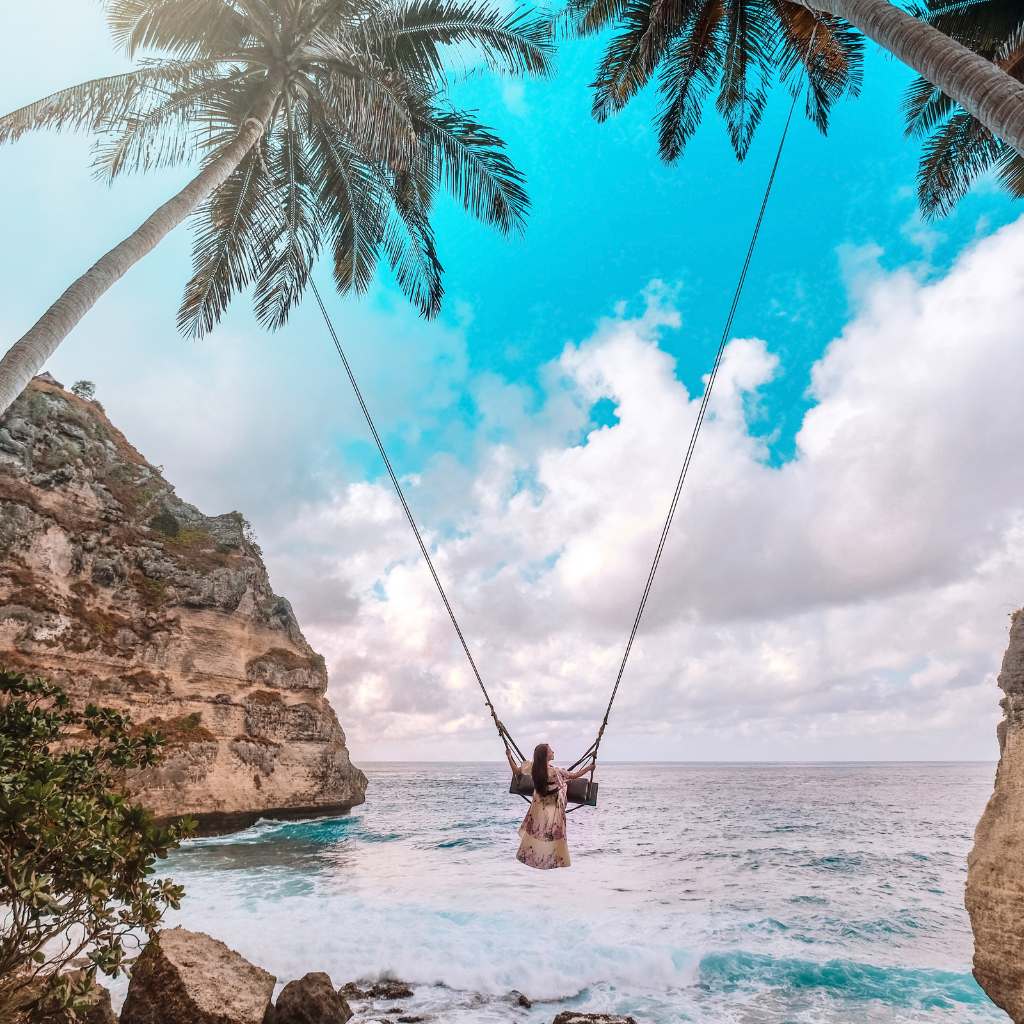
[610, 761]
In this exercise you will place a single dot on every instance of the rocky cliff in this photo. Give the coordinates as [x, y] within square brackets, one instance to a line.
[131, 597]
[995, 875]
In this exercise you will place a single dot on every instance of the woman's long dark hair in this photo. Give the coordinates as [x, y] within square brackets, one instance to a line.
[540, 769]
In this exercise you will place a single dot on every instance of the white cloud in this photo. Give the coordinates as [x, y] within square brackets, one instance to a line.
[850, 602]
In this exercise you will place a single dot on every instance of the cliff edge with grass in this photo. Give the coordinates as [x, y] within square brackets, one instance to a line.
[128, 596]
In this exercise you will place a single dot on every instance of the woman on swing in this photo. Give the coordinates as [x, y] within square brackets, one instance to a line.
[543, 829]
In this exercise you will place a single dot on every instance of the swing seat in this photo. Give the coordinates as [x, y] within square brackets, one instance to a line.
[580, 791]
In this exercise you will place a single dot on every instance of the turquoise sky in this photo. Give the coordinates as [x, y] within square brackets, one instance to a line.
[608, 218]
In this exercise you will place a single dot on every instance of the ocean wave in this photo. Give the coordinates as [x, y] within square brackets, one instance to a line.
[845, 979]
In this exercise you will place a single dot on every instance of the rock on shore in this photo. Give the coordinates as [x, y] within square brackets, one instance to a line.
[187, 977]
[995, 876]
[128, 596]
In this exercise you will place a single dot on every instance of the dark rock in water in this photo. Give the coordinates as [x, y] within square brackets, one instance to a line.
[387, 988]
[572, 1017]
[310, 1000]
[517, 997]
[187, 977]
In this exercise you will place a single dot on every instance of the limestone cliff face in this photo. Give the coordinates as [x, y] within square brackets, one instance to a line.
[130, 597]
[995, 876]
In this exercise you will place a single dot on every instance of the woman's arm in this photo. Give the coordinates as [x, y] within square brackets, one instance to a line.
[585, 770]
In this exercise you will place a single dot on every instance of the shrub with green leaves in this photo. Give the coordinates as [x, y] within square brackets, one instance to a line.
[76, 856]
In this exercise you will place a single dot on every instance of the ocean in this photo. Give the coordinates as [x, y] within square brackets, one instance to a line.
[711, 893]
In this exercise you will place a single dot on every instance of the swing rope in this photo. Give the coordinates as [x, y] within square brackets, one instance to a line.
[592, 750]
[510, 745]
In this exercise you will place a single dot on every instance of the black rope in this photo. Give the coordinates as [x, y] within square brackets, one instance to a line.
[727, 330]
[511, 747]
[510, 744]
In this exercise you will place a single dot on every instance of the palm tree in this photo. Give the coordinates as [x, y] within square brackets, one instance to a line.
[958, 148]
[739, 45]
[317, 123]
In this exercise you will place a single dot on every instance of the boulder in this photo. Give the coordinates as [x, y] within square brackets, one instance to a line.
[572, 1017]
[187, 977]
[310, 1000]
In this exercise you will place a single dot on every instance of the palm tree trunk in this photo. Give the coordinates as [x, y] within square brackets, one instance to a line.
[26, 357]
[995, 98]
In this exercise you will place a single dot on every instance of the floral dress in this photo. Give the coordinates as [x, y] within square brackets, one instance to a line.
[543, 829]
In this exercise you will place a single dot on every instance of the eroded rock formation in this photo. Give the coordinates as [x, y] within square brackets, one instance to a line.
[188, 977]
[129, 596]
[995, 876]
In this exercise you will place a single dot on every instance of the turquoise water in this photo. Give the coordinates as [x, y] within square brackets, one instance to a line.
[724, 894]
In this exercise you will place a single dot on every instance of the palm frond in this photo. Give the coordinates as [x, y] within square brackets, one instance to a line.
[225, 110]
[517, 42]
[955, 156]
[1010, 168]
[925, 106]
[231, 233]
[292, 250]
[627, 63]
[830, 51]
[687, 77]
[188, 28]
[370, 104]
[335, 17]
[411, 251]
[587, 17]
[164, 135]
[101, 103]
[352, 205]
[748, 53]
[980, 25]
[1009, 54]
[475, 168]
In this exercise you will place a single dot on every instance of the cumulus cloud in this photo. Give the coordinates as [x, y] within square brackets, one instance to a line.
[848, 602]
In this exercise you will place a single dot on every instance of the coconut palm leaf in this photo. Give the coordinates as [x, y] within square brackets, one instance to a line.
[371, 105]
[958, 149]
[925, 107]
[515, 42]
[980, 24]
[292, 249]
[93, 105]
[738, 46]
[352, 205]
[746, 70]
[409, 246]
[229, 244]
[687, 77]
[628, 62]
[475, 168]
[164, 135]
[954, 157]
[187, 28]
[827, 50]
